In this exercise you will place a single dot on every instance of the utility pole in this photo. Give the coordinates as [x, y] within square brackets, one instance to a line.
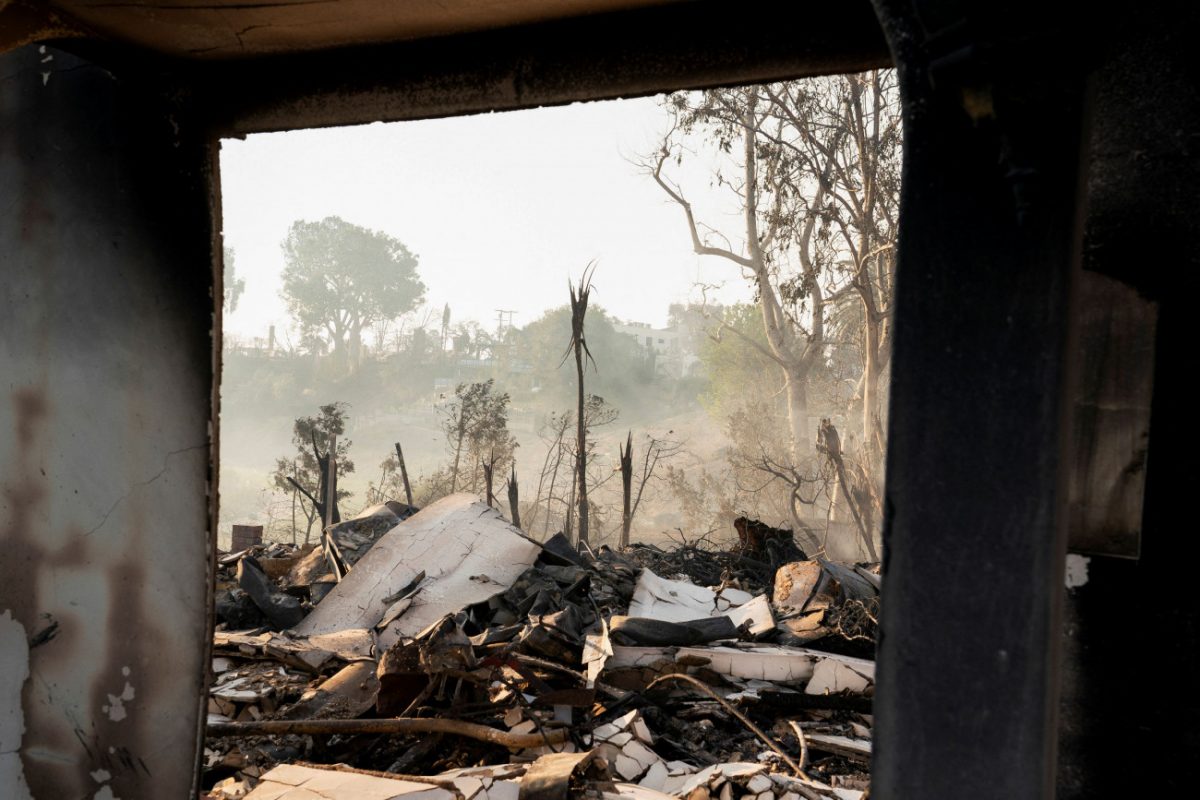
[504, 320]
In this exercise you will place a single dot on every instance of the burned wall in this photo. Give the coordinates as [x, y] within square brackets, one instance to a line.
[104, 457]
[1131, 626]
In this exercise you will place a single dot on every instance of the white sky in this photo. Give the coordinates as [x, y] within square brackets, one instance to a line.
[500, 209]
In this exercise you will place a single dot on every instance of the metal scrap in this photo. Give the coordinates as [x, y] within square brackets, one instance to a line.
[454, 640]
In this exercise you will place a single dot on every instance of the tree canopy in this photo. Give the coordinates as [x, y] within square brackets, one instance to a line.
[475, 422]
[735, 360]
[624, 368]
[341, 278]
[814, 167]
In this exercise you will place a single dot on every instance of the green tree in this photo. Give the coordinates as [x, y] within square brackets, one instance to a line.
[341, 278]
[813, 166]
[302, 472]
[738, 370]
[475, 422]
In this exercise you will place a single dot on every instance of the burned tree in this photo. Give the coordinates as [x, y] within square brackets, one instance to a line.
[626, 456]
[475, 422]
[814, 168]
[561, 456]
[775, 225]
[514, 501]
[657, 452]
[578, 345]
[306, 471]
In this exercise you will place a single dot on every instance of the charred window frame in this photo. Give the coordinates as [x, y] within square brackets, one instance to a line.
[968, 689]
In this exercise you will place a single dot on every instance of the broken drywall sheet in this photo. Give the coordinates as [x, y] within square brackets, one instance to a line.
[303, 782]
[467, 551]
[833, 676]
[295, 782]
[767, 663]
[597, 649]
[680, 601]
[14, 671]
[773, 663]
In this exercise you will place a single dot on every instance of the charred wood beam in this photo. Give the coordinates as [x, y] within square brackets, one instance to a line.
[975, 512]
[391, 727]
[603, 56]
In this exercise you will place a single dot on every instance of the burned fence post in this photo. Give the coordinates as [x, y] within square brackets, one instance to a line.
[408, 497]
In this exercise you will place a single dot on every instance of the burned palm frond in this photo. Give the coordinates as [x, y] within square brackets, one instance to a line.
[579, 307]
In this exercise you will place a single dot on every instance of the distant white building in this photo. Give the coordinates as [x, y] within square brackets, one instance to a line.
[674, 355]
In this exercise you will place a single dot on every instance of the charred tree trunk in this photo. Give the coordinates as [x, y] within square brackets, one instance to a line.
[569, 514]
[514, 508]
[581, 456]
[488, 467]
[626, 488]
[579, 303]
[457, 457]
[322, 507]
[326, 491]
[329, 476]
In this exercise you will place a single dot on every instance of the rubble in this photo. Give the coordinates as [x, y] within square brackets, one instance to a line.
[281, 610]
[466, 549]
[458, 658]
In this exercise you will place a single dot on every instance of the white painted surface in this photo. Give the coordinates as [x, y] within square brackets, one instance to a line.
[680, 601]
[14, 671]
[1077, 570]
[467, 551]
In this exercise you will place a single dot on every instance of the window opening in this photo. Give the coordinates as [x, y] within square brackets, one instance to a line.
[402, 315]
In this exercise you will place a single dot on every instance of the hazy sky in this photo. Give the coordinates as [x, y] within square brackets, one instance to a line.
[500, 209]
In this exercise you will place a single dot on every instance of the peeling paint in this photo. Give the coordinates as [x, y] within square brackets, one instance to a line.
[1077, 570]
[14, 671]
[115, 708]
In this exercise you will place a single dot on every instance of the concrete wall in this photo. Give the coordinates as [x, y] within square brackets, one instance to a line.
[106, 366]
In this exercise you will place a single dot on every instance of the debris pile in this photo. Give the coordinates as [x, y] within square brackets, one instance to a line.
[458, 658]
